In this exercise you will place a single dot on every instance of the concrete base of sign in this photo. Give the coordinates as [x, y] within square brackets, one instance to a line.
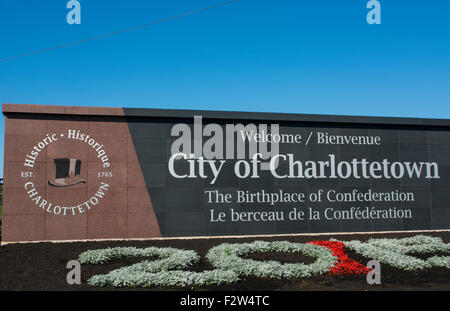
[234, 236]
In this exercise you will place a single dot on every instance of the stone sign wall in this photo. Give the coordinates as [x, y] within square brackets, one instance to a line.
[102, 173]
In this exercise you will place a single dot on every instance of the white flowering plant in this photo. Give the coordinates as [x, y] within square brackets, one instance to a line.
[163, 272]
[229, 265]
[398, 253]
[229, 256]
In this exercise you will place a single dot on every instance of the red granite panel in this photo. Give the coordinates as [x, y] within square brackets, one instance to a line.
[16, 174]
[25, 126]
[77, 211]
[106, 111]
[107, 226]
[61, 124]
[115, 148]
[8, 152]
[42, 109]
[137, 200]
[108, 127]
[23, 228]
[12, 107]
[142, 225]
[73, 110]
[135, 177]
[18, 146]
[68, 148]
[113, 200]
[93, 111]
[65, 227]
[67, 197]
[118, 170]
[16, 201]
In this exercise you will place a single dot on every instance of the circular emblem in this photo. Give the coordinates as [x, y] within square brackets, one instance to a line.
[76, 169]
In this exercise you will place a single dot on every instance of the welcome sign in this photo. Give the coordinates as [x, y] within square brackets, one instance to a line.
[89, 173]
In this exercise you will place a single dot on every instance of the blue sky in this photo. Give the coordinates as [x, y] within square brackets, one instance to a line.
[318, 57]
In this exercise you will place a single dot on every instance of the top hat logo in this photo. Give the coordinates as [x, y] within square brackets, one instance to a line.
[66, 172]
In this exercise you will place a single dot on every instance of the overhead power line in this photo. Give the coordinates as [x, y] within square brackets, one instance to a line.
[119, 31]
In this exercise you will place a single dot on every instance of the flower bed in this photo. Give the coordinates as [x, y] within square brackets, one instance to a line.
[398, 253]
[229, 266]
[345, 265]
[162, 272]
[228, 256]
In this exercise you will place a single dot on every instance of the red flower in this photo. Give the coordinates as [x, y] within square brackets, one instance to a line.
[345, 265]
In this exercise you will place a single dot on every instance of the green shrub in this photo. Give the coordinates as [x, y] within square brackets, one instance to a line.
[1, 206]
